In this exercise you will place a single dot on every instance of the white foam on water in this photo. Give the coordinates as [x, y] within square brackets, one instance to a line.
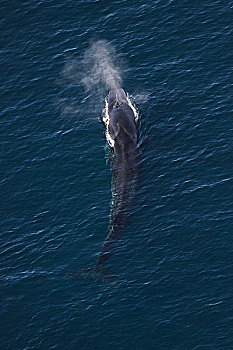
[106, 120]
[133, 107]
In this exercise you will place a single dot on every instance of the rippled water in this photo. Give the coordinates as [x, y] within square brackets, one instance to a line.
[175, 257]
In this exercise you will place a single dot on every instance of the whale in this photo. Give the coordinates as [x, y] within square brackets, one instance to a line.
[123, 136]
[120, 119]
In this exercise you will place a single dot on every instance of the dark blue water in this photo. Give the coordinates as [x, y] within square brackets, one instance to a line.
[175, 258]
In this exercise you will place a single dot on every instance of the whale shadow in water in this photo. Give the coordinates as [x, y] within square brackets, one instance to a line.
[120, 119]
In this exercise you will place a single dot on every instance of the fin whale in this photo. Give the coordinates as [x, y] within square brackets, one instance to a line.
[119, 117]
[123, 133]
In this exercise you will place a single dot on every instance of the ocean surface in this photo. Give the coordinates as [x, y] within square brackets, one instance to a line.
[175, 258]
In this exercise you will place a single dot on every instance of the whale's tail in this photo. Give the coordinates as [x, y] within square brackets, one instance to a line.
[96, 273]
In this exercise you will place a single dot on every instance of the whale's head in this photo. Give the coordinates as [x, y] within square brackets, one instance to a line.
[122, 128]
[116, 98]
